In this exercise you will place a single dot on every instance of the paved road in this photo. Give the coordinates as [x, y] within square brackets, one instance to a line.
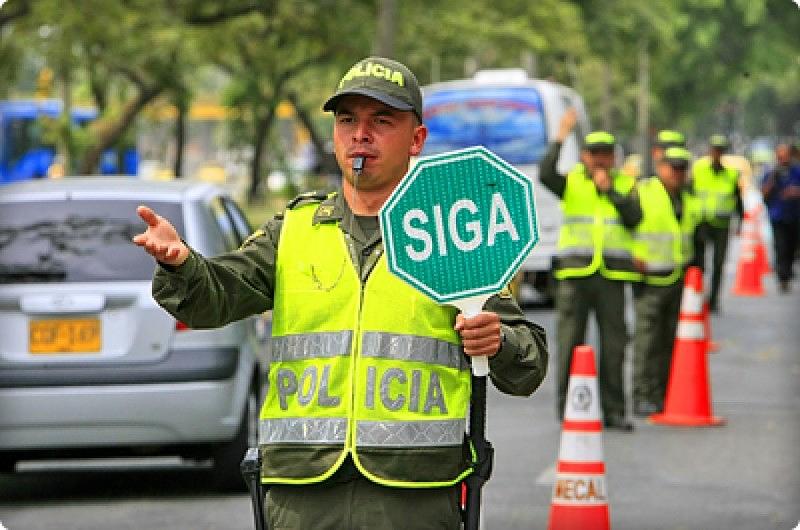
[744, 475]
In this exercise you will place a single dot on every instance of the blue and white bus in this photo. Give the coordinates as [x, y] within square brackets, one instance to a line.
[515, 117]
[24, 154]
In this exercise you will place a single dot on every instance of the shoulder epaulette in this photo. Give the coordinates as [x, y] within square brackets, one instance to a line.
[306, 198]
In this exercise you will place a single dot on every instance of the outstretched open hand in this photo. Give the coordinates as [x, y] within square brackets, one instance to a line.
[161, 240]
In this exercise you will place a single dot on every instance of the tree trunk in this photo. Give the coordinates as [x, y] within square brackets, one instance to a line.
[607, 118]
[643, 106]
[387, 23]
[180, 135]
[326, 162]
[263, 125]
[109, 133]
[69, 149]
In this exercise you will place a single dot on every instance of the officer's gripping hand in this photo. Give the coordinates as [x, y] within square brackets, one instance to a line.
[161, 240]
[480, 334]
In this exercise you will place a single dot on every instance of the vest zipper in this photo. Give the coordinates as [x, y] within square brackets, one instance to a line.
[351, 420]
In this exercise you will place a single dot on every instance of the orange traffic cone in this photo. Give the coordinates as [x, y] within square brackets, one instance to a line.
[749, 270]
[688, 400]
[579, 495]
[712, 345]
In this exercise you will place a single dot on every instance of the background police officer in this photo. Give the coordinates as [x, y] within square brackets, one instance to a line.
[716, 187]
[364, 419]
[665, 139]
[662, 249]
[594, 260]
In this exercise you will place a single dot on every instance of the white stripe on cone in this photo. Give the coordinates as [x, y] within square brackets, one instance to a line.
[691, 330]
[691, 301]
[581, 447]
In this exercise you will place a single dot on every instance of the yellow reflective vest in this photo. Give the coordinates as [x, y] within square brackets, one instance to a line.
[661, 241]
[592, 236]
[715, 191]
[373, 370]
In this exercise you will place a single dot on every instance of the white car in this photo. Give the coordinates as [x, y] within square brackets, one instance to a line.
[90, 365]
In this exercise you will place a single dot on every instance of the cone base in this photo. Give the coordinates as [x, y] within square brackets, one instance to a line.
[749, 292]
[685, 420]
[579, 517]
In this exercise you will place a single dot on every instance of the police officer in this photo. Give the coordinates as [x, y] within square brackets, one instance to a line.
[363, 424]
[716, 187]
[665, 139]
[594, 261]
[662, 249]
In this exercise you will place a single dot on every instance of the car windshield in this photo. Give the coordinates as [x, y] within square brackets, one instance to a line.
[508, 121]
[75, 241]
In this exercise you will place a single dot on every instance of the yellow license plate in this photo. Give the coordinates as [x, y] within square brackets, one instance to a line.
[65, 336]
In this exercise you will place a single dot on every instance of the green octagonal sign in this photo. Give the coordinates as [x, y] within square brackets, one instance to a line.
[459, 224]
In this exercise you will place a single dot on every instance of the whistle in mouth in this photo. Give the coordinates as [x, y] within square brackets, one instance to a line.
[358, 165]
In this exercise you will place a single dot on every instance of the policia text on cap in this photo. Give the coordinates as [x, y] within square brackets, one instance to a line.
[364, 419]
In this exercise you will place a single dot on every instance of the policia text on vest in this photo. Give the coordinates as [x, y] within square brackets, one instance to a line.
[395, 389]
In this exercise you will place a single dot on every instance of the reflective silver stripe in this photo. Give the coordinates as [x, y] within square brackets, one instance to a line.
[653, 237]
[578, 219]
[612, 222]
[410, 433]
[660, 267]
[311, 345]
[302, 430]
[581, 252]
[413, 348]
[616, 253]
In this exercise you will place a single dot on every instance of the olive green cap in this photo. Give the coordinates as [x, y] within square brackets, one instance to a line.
[678, 157]
[720, 141]
[599, 140]
[383, 79]
[669, 138]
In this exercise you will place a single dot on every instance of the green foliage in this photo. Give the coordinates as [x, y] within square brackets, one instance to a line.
[713, 64]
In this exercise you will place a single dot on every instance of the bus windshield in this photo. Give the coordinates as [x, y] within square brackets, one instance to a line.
[508, 121]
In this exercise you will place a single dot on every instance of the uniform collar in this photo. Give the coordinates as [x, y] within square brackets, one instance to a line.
[332, 209]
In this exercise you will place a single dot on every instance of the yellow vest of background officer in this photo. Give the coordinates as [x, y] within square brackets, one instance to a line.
[663, 242]
[715, 192]
[592, 236]
[374, 371]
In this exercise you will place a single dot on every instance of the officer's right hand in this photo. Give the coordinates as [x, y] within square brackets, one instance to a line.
[566, 124]
[161, 240]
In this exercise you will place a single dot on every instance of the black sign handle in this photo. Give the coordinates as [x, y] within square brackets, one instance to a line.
[483, 451]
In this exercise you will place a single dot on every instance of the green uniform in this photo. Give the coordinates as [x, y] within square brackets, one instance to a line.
[663, 242]
[212, 292]
[718, 197]
[593, 264]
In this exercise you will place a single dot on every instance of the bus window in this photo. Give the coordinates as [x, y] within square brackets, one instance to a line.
[23, 136]
[508, 121]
